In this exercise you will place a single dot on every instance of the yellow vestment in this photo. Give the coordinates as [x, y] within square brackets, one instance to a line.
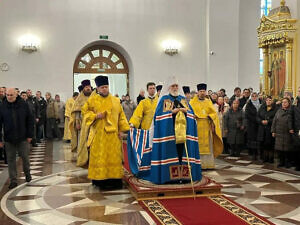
[105, 152]
[69, 105]
[79, 102]
[82, 149]
[210, 143]
[144, 113]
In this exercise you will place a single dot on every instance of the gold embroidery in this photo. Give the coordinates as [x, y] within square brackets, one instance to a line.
[168, 105]
[175, 172]
[179, 172]
[180, 128]
[185, 104]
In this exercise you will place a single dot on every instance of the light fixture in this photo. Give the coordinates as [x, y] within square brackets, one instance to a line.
[29, 43]
[171, 47]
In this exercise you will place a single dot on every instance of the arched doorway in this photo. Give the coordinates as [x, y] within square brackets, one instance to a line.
[102, 60]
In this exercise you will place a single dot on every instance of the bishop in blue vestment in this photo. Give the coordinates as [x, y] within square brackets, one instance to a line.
[166, 161]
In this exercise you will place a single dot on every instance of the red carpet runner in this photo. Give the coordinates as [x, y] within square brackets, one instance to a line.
[214, 210]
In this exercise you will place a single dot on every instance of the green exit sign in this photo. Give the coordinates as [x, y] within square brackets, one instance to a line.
[105, 37]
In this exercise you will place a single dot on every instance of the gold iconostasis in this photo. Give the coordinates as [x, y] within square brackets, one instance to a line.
[277, 35]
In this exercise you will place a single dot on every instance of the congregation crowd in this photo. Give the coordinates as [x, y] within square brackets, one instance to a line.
[268, 128]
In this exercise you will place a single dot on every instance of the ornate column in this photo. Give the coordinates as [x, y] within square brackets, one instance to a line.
[288, 71]
[266, 86]
[270, 71]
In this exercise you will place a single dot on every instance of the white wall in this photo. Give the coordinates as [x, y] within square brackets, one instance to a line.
[233, 39]
[249, 19]
[64, 27]
[138, 27]
[224, 42]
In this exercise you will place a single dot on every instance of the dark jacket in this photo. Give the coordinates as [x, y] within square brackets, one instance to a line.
[264, 131]
[43, 107]
[233, 121]
[2, 99]
[251, 121]
[281, 126]
[295, 110]
[139, 98]
[243, 101]
[295, 114]
[16, 121]
[34, 107]
[232, 98]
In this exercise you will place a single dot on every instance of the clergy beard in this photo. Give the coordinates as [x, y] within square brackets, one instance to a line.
[87, 93]
[103, 95]
[174, 93]
[201, 97]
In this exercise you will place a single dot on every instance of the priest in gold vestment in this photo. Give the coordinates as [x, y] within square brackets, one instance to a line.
[69, 105]
[82, 148]
[208, 126]
[76, 119]
[107, 122]
[144, 112]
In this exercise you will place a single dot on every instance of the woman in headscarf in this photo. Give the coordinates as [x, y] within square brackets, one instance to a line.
[265, 118]
[234, 123]
[221, 108]
[282, 131]
[251, 110]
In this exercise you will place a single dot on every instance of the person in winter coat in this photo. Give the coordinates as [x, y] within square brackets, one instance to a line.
[237, 95]
[128, 107]
[140, 97]
[35, 108]
[265, 118]
[221, 108]
[52, 118]
[245, 98]
[17, 123]
[41, 125]
[234, 124]
[281, 129]
[61, 114]
[295, 112]
[251, 110]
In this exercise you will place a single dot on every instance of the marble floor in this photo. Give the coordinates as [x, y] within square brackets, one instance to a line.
[60, 193]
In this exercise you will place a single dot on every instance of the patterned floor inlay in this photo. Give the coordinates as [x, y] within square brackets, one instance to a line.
[270, 194]
[60, 193]
[37, 157]
[57, 197]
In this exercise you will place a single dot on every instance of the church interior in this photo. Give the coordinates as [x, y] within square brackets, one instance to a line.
[244, 52]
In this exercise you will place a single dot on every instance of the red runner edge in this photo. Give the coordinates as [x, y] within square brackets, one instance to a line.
[213, 210]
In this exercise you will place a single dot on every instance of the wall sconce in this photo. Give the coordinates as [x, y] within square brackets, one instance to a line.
[29, 43]
[171, 47]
